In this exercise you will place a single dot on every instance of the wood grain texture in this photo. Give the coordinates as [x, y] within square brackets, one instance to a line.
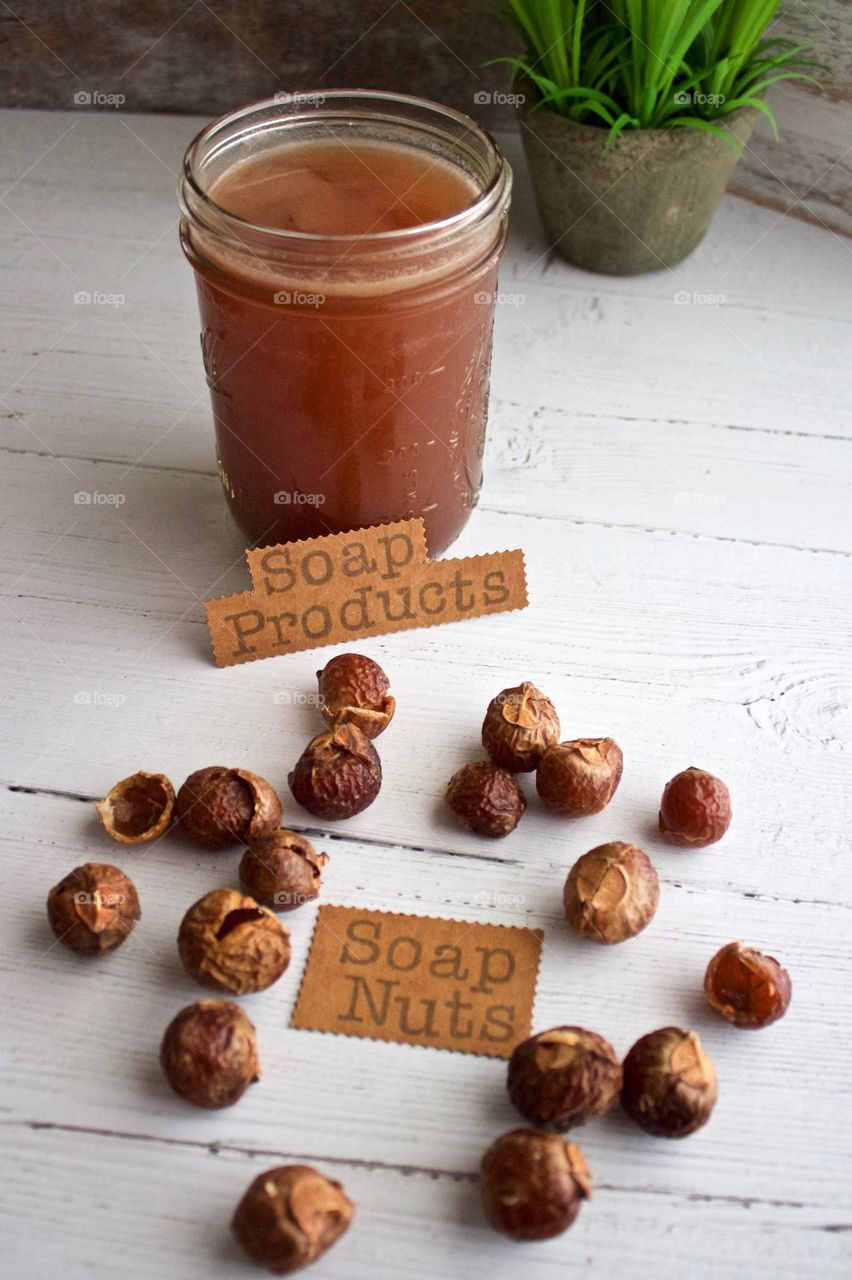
[678, 476]
[180, 1227]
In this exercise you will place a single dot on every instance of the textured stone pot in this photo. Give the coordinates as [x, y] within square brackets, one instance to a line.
[643, 205]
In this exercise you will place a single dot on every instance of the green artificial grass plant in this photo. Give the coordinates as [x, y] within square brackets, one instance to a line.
[650, 64]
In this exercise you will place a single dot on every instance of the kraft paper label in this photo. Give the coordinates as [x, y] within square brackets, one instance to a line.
[451, 984]
[347, 586]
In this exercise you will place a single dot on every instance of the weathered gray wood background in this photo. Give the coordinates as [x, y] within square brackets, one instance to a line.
[207, 56]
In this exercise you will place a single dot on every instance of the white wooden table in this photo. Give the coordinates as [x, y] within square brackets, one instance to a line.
[678, 474]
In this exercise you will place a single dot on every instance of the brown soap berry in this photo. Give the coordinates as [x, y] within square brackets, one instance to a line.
[227, 941]
[746, 987]
[533, 1183]
[611, 893]
[695, 809]
[355, 690]
[519, 725]
[564, 1077]
[217, 807]
[289, 1217]
[93, 909]
[338, 774]
[282, 871]
[579, 778]
[669, 1083]
[137, 808]
[486, 799]
[209, 1054]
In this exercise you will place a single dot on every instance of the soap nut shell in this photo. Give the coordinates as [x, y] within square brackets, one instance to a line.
[227, 941]
[217, 807]
[611, 893]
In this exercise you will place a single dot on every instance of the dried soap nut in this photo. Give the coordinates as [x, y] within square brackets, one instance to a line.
[486, 799]
[209, 1054]
[355, 690]
[290, 1216]
[579, 778]
[519, 725]
[611, 893]
[563, 1077]
[669, 1083]
[282, 871]
[138, 808]
[217, 807]
[695, 809]
[748, 988]
[229, 942]
[338, 774]
[93, 909]
[533, 1183]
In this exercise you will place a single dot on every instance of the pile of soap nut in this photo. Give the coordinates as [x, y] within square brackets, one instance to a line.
[231, 940]
[532, 1180]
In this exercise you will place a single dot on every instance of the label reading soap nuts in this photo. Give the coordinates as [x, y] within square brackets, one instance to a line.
[452, 984]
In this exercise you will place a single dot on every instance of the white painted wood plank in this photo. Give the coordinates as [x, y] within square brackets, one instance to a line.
[695, 360]
[787, 488]
[728, 655]
[126, 382]
[71, 180]
[715, 481]
[691, 643]
[157, 1212]
[779, 751]
[412, 1106]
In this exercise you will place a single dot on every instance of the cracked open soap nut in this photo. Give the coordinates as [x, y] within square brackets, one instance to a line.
[229, 942]
[355, 690]
[486, 799]
[576, 779]
[217, 807]
[209, 1054]
[611, 893]
[338, 774]
[519, 725]
[532, 1184]
[93, 909]
[695, 809]
[137, 808]
[748, 988]
[282, 871]
[669, 1083]
[290, 1216]
[563, 1077]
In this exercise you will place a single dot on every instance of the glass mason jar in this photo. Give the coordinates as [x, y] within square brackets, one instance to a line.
[348, 373]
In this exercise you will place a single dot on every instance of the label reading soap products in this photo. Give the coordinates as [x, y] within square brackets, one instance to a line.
[347, 586]
[452, 984]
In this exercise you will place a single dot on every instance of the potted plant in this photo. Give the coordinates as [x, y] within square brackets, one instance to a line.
[633, 115]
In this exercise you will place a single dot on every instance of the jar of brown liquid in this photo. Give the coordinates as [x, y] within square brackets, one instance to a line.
[345, 246]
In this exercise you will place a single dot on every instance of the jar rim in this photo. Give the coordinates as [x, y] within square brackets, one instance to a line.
[493, 194]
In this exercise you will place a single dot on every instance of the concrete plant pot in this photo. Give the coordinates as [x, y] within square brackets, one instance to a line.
[642, 206]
